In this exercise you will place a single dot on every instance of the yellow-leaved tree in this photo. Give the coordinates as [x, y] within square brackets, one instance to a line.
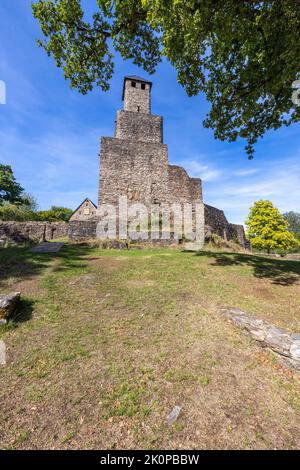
[267, 230]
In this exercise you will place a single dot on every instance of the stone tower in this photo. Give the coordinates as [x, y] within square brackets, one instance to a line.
[135, 161]
[137, 95]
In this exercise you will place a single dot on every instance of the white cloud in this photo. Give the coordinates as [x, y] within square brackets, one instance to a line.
[22, 97]
[200, 170]
[235, 190]
[246, 172]
[60, 166]
[279, 183]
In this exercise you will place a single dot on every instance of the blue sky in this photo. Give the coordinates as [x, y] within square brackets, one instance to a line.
[50, 134]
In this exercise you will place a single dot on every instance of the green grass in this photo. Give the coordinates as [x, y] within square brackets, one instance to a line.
[107, 342]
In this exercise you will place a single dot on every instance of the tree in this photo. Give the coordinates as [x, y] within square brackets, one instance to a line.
[55, 214]
[10, 190]
[20, 213]
[293, 219]
[243, 55]
[24, 210]
[267, 229]
[29, 202]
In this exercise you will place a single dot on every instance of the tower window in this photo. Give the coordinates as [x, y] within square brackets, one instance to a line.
[133, 84]
[138, 109]
[143, 86]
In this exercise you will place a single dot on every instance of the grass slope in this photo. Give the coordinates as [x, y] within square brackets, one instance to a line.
[108, 342]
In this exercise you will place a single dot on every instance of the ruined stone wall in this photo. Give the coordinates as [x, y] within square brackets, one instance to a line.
[84, 230]
[182, 188]
[238, 234]
[56, 230]
[22, 232]
[136, 98]
[139, 127]
[215, 219]
[80, 230]
[138, 170]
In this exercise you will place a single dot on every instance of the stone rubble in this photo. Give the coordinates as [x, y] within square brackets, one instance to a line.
[8, 304]
[172, 417]
[286, 344]
[2, 353]
[51, 247]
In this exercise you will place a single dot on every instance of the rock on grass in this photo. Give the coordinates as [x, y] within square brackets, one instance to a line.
[8, 304]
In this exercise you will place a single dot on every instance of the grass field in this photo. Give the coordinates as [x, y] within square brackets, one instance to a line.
[107, 342]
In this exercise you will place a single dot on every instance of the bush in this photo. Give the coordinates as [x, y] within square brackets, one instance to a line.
[55, 214]
[12, 212]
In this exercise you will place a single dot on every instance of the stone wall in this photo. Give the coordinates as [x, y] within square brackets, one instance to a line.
[138, 170]
[22, 232]
[216, 222]
[139, 127]
[84, 230]
[80, 230]
[280, 341]
[182, 188]
[238, 234]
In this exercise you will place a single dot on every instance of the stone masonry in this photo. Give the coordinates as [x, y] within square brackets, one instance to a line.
[216, 222]
[86, 210]
[282, 342]
[135, 163]
[23, 232]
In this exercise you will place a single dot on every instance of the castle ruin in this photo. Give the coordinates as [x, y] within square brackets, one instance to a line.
[134, 163]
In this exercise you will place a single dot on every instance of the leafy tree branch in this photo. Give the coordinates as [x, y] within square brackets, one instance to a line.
[244, 56]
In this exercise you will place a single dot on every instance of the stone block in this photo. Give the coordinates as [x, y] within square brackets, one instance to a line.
[8, 304]
[279, 340]
[172, 417]
[193, 246]
[295, 350]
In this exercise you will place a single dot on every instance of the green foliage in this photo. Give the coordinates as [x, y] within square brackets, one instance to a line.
[10, 190]
[267, 229]
[24, 210]
[293, 219]
[27, 210]
[226, 49]
[29, 202]
[19, 213]
[55, 213]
